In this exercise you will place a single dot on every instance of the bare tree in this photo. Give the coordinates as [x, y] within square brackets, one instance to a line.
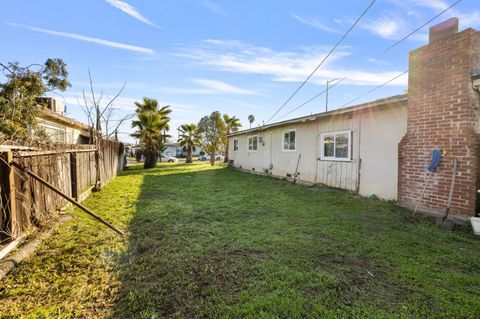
[100, 118]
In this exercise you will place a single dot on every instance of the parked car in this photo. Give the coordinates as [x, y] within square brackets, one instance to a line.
[166, 158]
[206, 157]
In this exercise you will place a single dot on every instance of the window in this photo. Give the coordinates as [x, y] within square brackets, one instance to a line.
[252, 143]
[289, 139]
[56, 135]
[336, 146]
[235, 145]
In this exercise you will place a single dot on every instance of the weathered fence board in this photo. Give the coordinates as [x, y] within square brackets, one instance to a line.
[25, 202]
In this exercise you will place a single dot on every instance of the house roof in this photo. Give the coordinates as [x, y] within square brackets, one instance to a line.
[393, 101]
[59, 118]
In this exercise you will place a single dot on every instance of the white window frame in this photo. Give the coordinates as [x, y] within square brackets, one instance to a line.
[333, 158]
[238, 142]
[283, 141]
[60, 135]
[248, 143]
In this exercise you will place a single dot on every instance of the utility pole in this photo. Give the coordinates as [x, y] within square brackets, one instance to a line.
[326, 92]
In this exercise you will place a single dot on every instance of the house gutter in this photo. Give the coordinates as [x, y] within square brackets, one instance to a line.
[50, 115]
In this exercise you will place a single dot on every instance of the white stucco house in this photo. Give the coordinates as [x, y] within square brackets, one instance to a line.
[58, 127]
[384, 147]
[331, 148]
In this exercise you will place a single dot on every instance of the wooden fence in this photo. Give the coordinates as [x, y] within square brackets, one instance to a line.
[24, 202]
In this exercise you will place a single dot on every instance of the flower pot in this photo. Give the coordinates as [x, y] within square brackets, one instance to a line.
[475, 225]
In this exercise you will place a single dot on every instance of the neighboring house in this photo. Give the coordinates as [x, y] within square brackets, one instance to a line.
[173, 149]
[383, 147]
[61, 129]
[176, 150]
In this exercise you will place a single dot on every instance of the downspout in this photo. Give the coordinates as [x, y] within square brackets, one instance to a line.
[270, 167]
[359, 164]
[317, 150]
[475, 75]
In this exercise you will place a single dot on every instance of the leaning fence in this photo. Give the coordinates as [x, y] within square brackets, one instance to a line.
[25, 203]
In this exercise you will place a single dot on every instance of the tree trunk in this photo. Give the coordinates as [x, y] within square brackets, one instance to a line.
[97, 170]
[226, 153]
[151, 157]
[212, 159]
[189, 155]
[98, 182]
[98, 141]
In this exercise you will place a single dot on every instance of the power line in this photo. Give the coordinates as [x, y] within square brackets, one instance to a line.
[397, 76]
[387, 49]
[374, 89]
[420, 27]
[323, 61]
[311, 99]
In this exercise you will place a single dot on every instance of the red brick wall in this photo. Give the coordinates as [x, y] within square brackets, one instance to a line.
[443, 111]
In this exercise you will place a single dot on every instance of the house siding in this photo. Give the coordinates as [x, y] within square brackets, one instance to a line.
[393, 138]
[376, 133]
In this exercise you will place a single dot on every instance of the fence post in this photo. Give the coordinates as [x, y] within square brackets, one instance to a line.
[12, 198]
[73, 173]
[3, 196]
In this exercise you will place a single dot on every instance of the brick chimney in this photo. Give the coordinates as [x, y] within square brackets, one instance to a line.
[443, 113]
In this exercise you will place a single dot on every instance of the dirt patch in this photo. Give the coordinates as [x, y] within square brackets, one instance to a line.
[361, 278]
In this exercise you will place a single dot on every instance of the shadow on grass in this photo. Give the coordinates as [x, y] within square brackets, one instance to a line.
[209, 242]
[169, 265]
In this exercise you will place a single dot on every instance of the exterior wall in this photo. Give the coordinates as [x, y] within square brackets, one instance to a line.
[173, 150]
[270, 158]
[442, 114]
[76, 136]
[381, 131]
[176, 150]
[61, 133]
[340, 174]
[375, 136]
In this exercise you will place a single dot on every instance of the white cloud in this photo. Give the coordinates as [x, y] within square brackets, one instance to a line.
[379, 61]
[283, 66]
[125, 105]
[432, 4]
[76, 98]
[203, 87]
[79, 37]
[215, 8]
[315, 23]
[221, 87]
[467, 19]
[387, 27]
[131, 11]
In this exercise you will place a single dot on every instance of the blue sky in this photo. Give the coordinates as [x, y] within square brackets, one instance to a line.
[237, 57]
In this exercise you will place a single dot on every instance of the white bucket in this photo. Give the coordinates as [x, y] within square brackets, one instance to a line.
[475, 225]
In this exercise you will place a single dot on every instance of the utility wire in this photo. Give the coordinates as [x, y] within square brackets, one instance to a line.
[374, 89]
[313, 98]
[386, 50]
[397, 76]
[323, 61]
[420, 27]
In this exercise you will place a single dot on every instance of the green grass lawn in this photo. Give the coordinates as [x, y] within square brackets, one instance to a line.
[209, 242]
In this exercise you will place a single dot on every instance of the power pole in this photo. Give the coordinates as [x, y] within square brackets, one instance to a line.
[326, 92]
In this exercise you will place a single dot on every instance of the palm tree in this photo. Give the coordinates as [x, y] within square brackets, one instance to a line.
[232, 124]
[151, 121]
[188, 139]
[251, 119]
